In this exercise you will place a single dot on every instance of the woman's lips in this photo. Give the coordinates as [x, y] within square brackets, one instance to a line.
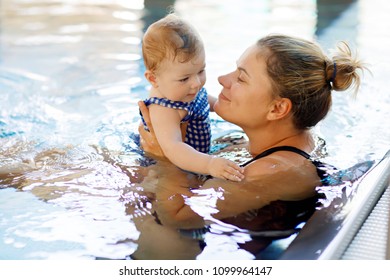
[223, 97]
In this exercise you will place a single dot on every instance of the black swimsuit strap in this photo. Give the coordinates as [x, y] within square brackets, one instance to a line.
[276, 149]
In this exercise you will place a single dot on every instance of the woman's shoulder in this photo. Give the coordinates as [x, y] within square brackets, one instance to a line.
[294, 175]
[268, 165]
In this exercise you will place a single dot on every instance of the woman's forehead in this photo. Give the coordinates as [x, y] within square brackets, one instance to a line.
[251, 61]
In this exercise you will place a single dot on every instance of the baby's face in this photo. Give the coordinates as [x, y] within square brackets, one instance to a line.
[181, 81]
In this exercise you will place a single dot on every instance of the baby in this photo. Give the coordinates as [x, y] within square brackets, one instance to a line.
[174, 58]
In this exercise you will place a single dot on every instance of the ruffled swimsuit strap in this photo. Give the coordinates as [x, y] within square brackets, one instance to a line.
[168, 103]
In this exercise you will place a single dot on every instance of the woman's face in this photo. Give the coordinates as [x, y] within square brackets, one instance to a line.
[246, 96]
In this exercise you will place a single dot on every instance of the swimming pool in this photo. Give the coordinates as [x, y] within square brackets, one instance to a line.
[70, 78]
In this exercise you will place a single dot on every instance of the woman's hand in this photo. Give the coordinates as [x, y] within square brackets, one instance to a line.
[148, 139]
[149, 142]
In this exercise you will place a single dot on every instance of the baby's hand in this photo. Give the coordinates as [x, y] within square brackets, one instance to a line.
[225, 169]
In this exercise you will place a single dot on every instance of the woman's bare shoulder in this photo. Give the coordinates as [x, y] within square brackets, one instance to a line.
[294, 176]
[266, 166]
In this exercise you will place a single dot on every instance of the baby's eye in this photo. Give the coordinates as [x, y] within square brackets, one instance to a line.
[183, 80]
[201, 71]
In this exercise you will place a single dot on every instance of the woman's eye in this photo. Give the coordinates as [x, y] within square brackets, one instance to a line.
[201, 71]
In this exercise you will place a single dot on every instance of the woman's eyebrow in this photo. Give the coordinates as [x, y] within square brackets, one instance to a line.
[243, 70]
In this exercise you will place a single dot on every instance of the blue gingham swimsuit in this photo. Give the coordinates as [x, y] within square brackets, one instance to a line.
[198, 133]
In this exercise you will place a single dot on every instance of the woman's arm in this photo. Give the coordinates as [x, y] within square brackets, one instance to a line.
[171, 186]
[179, 207]
[218, 199]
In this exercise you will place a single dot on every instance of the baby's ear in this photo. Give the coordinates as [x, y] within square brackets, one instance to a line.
[151, 77]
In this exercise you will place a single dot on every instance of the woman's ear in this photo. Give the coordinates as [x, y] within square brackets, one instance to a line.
[151, 77]
[280, 108]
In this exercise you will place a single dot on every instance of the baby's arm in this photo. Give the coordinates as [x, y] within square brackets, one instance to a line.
[166, 124]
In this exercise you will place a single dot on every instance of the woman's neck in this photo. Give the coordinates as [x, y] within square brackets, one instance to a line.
[261, 141]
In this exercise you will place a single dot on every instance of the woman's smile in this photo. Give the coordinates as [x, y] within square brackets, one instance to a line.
[223, 97]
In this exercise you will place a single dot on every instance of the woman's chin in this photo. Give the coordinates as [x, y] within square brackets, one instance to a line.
[220, 108]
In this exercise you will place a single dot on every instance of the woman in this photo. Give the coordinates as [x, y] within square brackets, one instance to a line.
[281, 88]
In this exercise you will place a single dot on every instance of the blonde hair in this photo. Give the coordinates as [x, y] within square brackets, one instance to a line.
[170, 38]
[301, 72]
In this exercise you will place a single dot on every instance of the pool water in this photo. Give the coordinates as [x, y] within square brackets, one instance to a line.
[71, 74]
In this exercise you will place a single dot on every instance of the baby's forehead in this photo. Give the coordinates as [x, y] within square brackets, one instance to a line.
[193, 62]
[177, 65]
[197, 57]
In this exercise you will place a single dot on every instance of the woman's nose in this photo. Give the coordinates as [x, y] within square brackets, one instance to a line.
[223, 80]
